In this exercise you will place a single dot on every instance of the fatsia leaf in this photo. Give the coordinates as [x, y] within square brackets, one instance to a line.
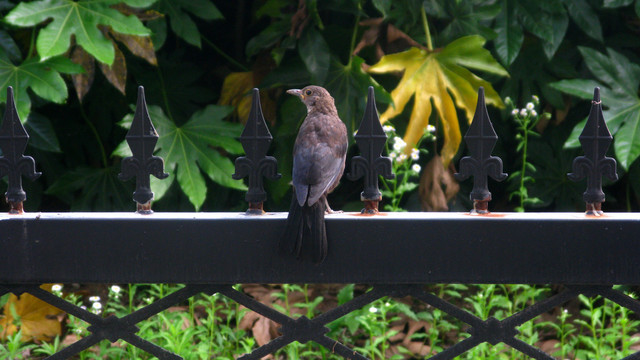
[36, 319]
[191, 148]
[440, 77]
[180, 21]
[348, 85]
[99, 190]
[41, 133]
[619, 80]
[78, 18]
[585, 17]
[43, 77]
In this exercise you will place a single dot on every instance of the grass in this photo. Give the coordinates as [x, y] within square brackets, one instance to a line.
[214, 327]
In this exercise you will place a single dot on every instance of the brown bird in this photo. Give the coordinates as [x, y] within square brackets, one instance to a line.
[318, 163]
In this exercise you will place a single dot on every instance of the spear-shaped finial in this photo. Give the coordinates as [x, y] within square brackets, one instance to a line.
[371, 164]
[255, 140]
[142, 138]
[481, 138]
[13, 142]
[595, 140]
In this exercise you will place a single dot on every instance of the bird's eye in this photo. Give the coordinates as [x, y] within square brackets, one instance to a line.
[308, 92]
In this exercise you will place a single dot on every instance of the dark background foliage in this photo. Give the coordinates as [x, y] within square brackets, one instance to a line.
[197, 58]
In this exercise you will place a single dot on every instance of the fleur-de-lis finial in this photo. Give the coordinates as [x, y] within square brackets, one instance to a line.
[255, 140]
[595, 139]
[371, 164]
[13, 142]
[480, 138]
[142, 138]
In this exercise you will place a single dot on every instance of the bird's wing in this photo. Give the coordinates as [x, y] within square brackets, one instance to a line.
[315, 169]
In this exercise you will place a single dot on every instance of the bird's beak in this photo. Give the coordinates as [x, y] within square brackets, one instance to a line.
[296, 92]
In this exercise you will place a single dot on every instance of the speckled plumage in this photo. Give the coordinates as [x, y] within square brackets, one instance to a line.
[318, 163]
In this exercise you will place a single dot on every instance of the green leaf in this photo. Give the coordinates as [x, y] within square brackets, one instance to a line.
[315, 54]
[529, 14]
[139, 3]
[41, 133]
[42, 77]
[559, 24]
[348, 85]
[585, 17]
[621, 78]
[509, 34]
[80, 19]
[9, 46]
[190, 148]
[616, 3]
[181, 22]
[99, 190]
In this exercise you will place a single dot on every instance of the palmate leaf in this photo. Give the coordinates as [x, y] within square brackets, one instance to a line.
[80, 19]
[619, 80]
[36, 319]
[43, 77]
[191, 148]
[442, 77]
[348, 85]
[181, 23]
[99, 189]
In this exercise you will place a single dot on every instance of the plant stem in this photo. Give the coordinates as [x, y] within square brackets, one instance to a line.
[32, 43]
[425, 25]
[103, 153]
[524, 160]
[165, 97]
[224, 55]
[353, 37]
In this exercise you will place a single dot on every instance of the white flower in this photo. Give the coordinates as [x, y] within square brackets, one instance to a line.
[388, 128]
[94, 299]
[535, 98]
[507, 99]
[431, 128]
[116, 289]
[515, 112]
[530, 106]
[83, 307]
[97, 306]
[401, 158]
[416, 168]
[534, 113]
[398, 143]
[523, 112]
[373, 309]
[56, 287]
[415, 154]
[393, 155]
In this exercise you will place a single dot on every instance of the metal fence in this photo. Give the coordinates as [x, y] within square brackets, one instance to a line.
[586, 253]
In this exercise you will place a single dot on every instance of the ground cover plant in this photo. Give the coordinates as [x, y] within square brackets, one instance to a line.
[76, 74]
[214, 327]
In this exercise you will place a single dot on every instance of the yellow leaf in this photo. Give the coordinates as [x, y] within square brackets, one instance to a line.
[236, 92]
[36, 318]
[440, 79]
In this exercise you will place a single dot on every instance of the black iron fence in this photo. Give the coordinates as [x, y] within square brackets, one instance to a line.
[586, 253]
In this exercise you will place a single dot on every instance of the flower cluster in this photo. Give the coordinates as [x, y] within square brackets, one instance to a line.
[96, 305]
[529, 110]
[398, 153]
[405, 165]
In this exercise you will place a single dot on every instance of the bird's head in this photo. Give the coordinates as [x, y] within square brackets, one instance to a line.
[315, 98]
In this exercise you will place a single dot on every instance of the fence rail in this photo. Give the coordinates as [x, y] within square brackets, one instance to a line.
[395, 252]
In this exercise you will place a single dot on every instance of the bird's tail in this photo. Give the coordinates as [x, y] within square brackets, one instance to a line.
[305, 234]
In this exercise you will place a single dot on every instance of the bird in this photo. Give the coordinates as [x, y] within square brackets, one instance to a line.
[319, 157]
